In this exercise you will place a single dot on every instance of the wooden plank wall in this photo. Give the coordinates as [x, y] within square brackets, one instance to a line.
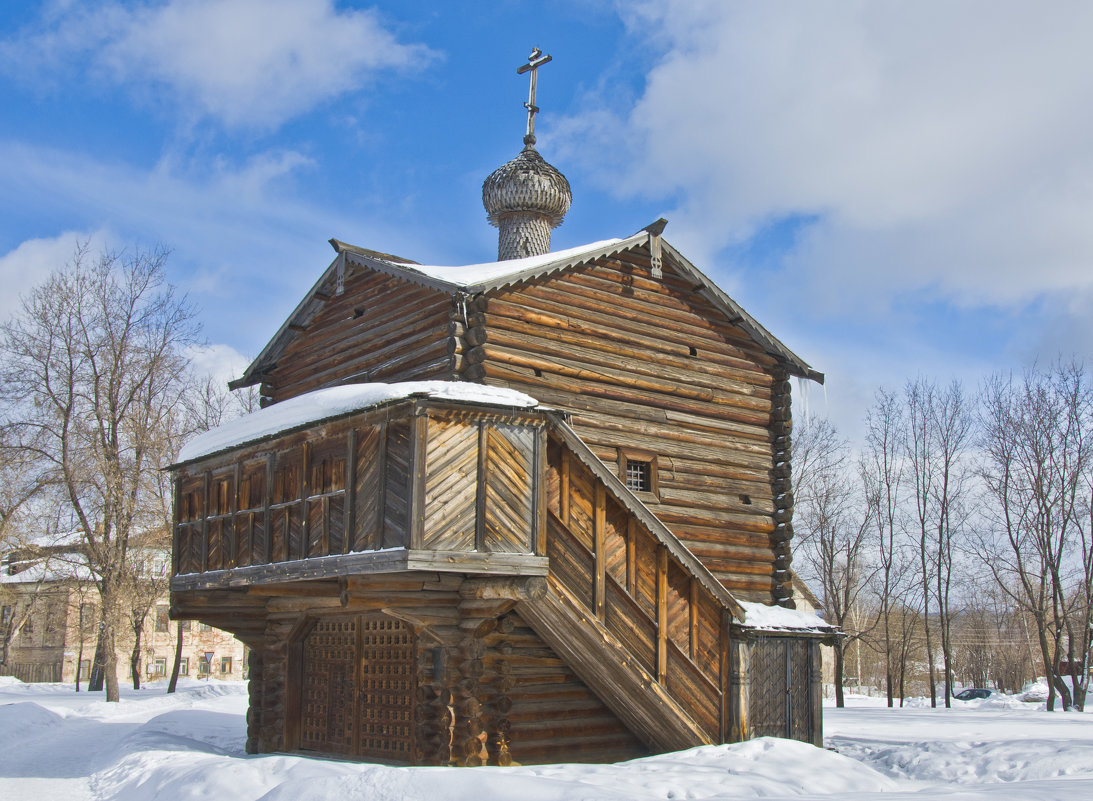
[617, 570]
[379, 329]
[647, 364]
[354, 487]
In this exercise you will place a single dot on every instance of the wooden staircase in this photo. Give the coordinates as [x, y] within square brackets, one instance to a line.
[636, 616]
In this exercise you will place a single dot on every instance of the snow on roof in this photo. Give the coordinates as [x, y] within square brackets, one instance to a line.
[323, 404]
[472, 274]
[778, 618]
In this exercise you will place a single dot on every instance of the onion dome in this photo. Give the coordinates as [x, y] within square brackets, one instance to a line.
[525, 199]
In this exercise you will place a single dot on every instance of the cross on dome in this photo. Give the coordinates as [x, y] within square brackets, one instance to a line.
[535, 60]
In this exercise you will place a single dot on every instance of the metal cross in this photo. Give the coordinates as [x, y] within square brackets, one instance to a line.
[535, 60]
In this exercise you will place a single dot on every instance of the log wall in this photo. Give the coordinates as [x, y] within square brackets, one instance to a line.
[378, 329]
[650, 365]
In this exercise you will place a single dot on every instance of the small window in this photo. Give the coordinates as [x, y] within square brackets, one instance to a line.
[638, 471]
[202, 667]
[206, 627]
[184, 666]
[639, 476]
[184, 625]
[161, 666]
[5, 615]
[161, 618]
[225, 665]
[85, 669]
[28, 626]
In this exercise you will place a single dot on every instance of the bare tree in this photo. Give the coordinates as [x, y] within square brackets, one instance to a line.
[1037, 468]
[94, 361]
[881, 471]
[951, 428]
[833, 526]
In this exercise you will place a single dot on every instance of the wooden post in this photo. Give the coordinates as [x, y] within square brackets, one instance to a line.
[381, 480]
[599, 514]
[563, 500]
[419, 432]
[662, 614]
[538, 537]
[267, 518]
[305, 505]
[480, 487]
[724, 673]
[204, 565]
[692, 607]
[349, 535]
[230, 561]
[632, 532]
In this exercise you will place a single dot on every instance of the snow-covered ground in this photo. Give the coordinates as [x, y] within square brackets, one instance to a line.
[57, 744]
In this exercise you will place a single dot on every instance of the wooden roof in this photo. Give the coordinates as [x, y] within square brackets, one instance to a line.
[472, 280]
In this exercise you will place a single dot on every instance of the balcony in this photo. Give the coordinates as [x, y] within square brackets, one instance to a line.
[421, 480]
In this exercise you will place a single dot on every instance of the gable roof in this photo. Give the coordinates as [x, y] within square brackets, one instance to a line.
[474, 279]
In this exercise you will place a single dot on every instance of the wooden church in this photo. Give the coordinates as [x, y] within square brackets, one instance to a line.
[536, 510]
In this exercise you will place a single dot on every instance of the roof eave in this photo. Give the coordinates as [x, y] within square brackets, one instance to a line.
[796, 365]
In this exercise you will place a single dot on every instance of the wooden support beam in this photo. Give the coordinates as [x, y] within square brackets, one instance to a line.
[305, 491]
[599, 525]
[204, 564]
[563, 511]
[267, 518]
[632, 532]
[480, 487]
[349, 535]
[724, 676]
[419, 433]
[662, 614]
[692, 608]
[538, 484]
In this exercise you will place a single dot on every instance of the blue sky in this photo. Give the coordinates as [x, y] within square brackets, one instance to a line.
[891, 188]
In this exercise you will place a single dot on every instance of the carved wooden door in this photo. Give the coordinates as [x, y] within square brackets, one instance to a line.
[357, 688]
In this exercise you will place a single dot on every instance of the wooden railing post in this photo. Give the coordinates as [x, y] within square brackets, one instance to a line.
[231, 557]
[267, 518]
[563, 501]
[599, 524]
[305, 504]
[662, 614]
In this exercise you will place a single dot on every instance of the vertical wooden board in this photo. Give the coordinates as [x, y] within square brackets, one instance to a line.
[632, 625]
[581, 498]
[510, 497]
[259, 538]
[368, 489]
[242, 524]
[396, 506]
[708, 639]
[451, 480]
[295, 543]
[213, 552]
[335, 524]
[645, 560]
[315, 527]
[616, 522]
[279, 534]
[553, 477]
[679, 607]
[694, 691]
[570, 563]
[800, 712]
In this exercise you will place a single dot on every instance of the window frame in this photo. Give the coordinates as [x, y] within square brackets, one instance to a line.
[652, 494]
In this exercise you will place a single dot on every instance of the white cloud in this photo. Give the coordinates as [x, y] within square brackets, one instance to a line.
[220, 362]
[249, 63]
[32, 261]
[941, 149]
